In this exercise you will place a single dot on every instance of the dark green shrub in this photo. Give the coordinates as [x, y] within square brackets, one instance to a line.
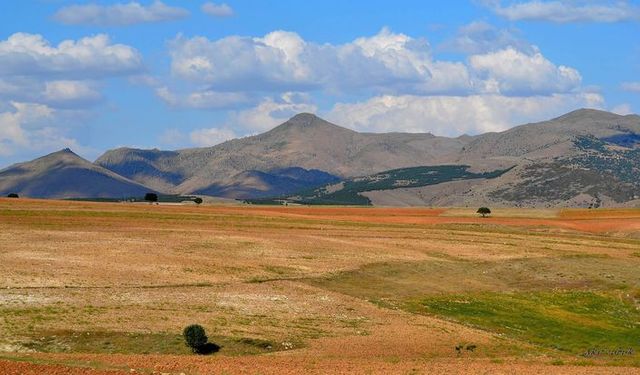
[198, 200]
[484, 211]
[195, 337]
[13, 195]
[151, 197]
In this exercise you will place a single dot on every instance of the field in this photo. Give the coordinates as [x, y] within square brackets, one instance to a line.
[106, 288]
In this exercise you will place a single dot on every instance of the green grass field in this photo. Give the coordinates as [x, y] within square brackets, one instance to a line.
[569, 321]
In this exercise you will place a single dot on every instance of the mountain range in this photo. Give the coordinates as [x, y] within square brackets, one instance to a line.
[586, 158]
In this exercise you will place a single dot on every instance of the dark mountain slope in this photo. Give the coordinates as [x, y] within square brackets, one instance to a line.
[64, 174]
[275, 183]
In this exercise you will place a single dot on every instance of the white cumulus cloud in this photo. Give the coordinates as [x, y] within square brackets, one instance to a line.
[455, 115]
[63, 76]
[119, 14]
[90, 57]
[71, 93]
[283, 61]
[26, 127]
[386, 63]
[512, 72]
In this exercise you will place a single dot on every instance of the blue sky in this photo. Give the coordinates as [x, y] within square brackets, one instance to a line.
[177, 74]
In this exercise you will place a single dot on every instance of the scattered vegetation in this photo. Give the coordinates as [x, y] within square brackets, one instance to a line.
[13, 195]
[624, 164]
[349, 193]
[598, 169]
[468, 347]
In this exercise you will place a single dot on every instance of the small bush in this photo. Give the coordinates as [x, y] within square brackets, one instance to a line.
[13, 195]
[484, 211]
[195, 337]
[198, 200]
[151, 197]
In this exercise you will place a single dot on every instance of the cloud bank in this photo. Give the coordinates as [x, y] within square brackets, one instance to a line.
[394, 81]
[386, 63]
[43, 87]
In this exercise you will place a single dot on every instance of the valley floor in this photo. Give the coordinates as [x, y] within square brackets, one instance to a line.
[102, 288]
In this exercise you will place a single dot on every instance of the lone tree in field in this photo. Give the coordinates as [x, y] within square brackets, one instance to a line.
[195, 338]
[151, 197]
[13, 195]
[484, 211]
[198, 200]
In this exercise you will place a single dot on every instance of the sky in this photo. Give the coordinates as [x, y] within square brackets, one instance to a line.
[167, 74]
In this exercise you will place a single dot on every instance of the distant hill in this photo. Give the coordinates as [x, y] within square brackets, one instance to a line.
[586, 158]
[305, 141]
[550, 138]
[64, 174]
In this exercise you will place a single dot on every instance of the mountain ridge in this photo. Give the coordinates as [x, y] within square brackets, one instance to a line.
[305, 141]
[593, 153]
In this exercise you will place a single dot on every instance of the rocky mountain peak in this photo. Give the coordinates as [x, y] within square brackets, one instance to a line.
[308, 122]
[64, 151]
[588, 113]
[304, 119]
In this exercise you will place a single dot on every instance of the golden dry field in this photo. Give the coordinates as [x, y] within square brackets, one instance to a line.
[106, 288]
